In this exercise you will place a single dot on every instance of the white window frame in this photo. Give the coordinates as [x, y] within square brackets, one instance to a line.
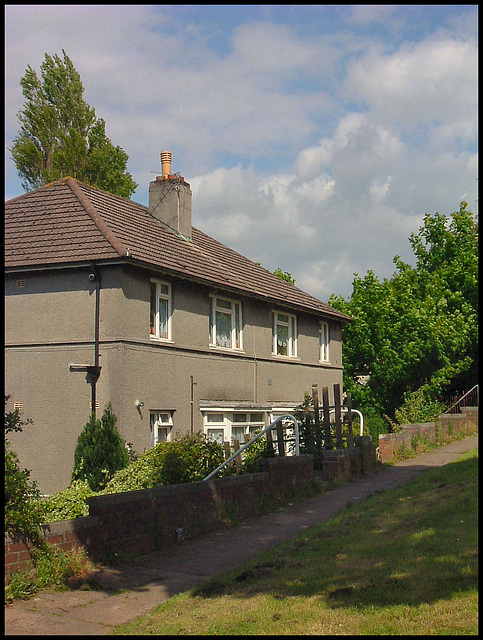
[234, 311]
[160, 419]
[253, 421]
[226, 421]
[291, 325]
[215, 424]
[166, 297]
[289, 433]
[324, 342]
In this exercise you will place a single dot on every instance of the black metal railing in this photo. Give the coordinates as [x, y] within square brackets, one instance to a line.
[468, 399]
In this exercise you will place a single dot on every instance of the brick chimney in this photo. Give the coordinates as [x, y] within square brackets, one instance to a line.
[170, 198]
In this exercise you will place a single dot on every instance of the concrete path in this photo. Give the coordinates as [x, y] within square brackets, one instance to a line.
[132, 590]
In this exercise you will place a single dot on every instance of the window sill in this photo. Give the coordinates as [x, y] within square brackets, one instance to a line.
[214, 347]
[158, 339]
[278, 356]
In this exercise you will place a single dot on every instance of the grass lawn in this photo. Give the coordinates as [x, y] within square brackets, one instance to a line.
[403, 562]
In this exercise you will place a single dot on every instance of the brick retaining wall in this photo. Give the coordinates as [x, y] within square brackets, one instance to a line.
[447, 424]
[138, 522]
[141, 521]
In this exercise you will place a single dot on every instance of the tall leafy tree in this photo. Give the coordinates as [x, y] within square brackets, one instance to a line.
[417, 331]
[61, 136]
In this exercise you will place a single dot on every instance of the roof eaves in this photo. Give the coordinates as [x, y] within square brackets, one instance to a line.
[98, 221]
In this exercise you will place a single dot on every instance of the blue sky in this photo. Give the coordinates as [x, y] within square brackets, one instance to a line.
[314, 137]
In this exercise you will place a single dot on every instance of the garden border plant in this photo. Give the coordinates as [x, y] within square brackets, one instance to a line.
[25, 512]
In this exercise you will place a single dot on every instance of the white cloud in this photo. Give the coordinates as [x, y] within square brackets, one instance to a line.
[366, 14]
[427, 83]
[310, 149]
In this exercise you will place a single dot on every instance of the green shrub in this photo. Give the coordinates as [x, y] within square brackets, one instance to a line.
[190, 459]
[374, 423]
[100, 451]
[23, 506]
[418, 407]
[69, 503]
[187, 459]
[53, 569]
[256, 452]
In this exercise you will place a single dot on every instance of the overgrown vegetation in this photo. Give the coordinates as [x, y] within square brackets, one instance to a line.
[187, 459]
[416, 333]
[417, 408]
[256, 452]
[69, 503]
[403, 562]
[24, 512]
[52, 569]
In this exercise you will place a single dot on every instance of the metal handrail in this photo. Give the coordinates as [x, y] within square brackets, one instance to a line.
[352, 411]
[255, 438]
[463, 397]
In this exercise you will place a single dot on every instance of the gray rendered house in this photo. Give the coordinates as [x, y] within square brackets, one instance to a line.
[109, 300]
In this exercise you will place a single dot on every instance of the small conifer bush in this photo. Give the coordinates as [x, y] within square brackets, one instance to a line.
[100, 451]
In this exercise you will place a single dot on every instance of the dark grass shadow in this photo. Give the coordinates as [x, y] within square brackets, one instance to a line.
[410, 545]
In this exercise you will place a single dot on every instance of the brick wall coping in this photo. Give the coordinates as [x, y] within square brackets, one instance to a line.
[171, 489]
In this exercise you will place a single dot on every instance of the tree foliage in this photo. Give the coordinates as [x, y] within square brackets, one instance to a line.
[100, 451]
[417, 330]
[61, 136]
[284, 275]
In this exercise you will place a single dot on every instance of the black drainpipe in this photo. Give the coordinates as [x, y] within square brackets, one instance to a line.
[95, 371]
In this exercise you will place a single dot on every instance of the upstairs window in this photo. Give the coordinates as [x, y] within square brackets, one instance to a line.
[284, 334]
[161, 426]
[226, 323]
[160, 310]
[324, 341]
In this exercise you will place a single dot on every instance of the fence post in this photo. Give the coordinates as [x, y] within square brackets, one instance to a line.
[326, 421]
[280, 442]
[270, 448]
[337, 407]
[227, 448]
[317, 427]
[238, 460]
[350, 438]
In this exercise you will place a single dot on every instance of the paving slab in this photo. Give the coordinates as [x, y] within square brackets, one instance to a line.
[128, 591]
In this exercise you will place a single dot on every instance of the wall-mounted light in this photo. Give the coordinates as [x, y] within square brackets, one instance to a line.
[139, 404]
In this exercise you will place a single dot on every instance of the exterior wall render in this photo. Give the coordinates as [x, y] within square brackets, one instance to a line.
[41, 346]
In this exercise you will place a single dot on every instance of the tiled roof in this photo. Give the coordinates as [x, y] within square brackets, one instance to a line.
[69, 222]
